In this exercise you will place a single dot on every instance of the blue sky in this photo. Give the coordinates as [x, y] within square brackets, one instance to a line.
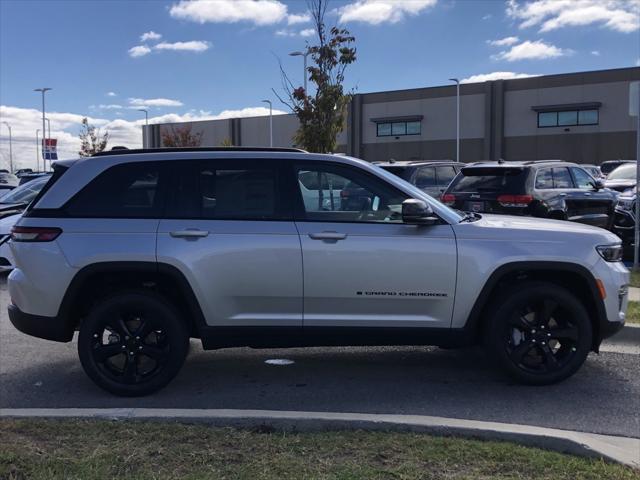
[219, 58]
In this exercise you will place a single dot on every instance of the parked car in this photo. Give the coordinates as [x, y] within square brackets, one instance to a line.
[547, 189]
[594, 171]
[22, 171]
[16, 200]
[430, 176]
[8, 181]
[610, 165]
[213, 246]
[625, 219]
[27, 177]
[6, 257]
[622, 178]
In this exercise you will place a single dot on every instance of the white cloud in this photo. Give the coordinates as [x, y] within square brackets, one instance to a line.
[151, 35]
[192, 46]
[296, 18]
[376, 12]
[139, 51]
[154, 102]
[65, 127]
[284, 32]
[486, 77]
[503, 42]
[308, 32]
[595, 53]
[638, 62]
[111, 106]
[618, 15]
[528, 50]
[488, 16]
[258, 12]
[112, 94]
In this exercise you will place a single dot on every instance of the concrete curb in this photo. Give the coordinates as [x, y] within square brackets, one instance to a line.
[630, 333]
[616, 449]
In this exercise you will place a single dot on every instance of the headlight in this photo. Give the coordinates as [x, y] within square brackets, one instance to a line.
[626, 203]
[611, 253]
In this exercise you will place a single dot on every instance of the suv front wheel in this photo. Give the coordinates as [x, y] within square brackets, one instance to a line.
[132, 343]
[539, 333]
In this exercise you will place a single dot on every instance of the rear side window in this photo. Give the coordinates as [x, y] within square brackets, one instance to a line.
[489, 179]
[445, 175]
[557, 177]
[124, 191]
[426, 177]
[223, 190]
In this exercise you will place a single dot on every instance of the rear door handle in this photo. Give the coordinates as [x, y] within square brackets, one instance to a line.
[189, 233]
[328, 236]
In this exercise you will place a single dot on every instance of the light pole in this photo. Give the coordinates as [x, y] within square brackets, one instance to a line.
[44, 160]
[457, 117]
[37, 151]
[146, 124]
[43, 90]
[10, 148]
[302, 54]
[270, 122]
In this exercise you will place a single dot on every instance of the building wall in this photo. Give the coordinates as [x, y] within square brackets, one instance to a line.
[497, 121]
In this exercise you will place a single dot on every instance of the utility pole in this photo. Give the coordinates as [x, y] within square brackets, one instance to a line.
[146, 124]
[457, 117]
[10, 147]
[37, 151]
[302, 54]
[270, 122]
[44, 132]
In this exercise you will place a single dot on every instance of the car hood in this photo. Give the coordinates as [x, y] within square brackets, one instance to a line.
[528, 229]
[619, 185]
[7, 223]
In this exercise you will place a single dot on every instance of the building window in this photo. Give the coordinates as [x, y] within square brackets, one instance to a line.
[397, 129]
[567, 118]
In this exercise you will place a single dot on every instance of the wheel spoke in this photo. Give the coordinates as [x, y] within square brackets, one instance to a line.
[544, 311]
[121, 327]
[104, 352]
[520, 323]
[520, 351]
[130, 369]
[549, 358]
[156, 353]
[144, 329]
[569, 333]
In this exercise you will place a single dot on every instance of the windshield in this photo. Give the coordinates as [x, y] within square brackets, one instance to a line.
[491, 179]
[624, 172]
[26, 192]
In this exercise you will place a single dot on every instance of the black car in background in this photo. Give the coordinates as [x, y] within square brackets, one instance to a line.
[610, 165]
[430, 176]
[622, 178]
[546, 188]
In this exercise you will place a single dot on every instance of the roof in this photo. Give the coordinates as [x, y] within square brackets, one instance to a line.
[520, 163]
[127, 151]
[411, 163]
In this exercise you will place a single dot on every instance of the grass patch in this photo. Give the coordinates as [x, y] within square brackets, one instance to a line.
[633, 312]
[80, 449]
[635, 279]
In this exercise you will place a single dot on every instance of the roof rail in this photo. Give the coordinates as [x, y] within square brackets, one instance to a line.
[532, 162]
[127, 151]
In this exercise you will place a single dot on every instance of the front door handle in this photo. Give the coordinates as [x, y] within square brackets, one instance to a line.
[189, 233]
[332, 236]
[587, 194]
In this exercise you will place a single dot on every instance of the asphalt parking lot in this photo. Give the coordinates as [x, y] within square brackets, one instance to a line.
[604, 397]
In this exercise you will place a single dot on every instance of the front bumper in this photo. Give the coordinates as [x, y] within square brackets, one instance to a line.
[615, 278]
[49, 328]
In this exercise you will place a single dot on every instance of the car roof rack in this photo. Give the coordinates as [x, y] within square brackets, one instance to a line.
[134, 151]
[533, 162]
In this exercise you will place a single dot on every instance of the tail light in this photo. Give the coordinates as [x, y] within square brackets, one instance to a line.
[34, 234]
[519, 201]
[448, 199]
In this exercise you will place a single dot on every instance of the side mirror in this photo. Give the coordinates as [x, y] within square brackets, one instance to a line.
[417, 212]
[598, 184]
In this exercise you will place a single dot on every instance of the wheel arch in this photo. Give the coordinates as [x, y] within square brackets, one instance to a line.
[575, 278]
[95, 281]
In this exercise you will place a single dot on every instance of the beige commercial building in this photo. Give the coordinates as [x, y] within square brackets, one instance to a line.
[581, 117]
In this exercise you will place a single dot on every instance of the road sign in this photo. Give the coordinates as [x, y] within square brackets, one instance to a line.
[50, 149]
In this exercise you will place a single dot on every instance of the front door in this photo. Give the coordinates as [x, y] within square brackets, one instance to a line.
[362, 266]
[229, 229]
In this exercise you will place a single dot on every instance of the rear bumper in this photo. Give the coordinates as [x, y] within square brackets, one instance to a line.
[49, 328]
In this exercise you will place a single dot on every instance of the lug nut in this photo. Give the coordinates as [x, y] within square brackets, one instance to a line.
[139, 348]
[548, 334]
[95, 335]
[137, 338]
[533, 331]
[543, 343]
[130, 353]
[126, 338]
[123, 347]
[533, 341]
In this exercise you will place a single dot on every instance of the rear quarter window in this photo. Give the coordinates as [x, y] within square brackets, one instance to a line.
[490, 179]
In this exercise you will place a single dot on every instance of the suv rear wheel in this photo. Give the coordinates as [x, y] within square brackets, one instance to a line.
[539, 333]
[132, 343]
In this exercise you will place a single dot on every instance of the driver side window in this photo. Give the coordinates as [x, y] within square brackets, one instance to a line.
[333, 193]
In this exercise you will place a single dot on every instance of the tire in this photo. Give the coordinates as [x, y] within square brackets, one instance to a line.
[539, 333]
[132, 343]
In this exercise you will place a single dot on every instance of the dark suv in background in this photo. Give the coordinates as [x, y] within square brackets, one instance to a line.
[431, 176]
[547, 188]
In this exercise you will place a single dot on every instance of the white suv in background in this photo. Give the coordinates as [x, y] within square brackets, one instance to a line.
[141, 250]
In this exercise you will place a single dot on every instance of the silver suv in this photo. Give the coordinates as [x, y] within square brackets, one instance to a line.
[141, 250]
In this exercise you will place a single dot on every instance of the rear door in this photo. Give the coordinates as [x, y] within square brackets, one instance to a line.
[229, 229]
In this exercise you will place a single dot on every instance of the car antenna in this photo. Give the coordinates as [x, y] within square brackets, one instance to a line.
[392, 160]
[501, 160]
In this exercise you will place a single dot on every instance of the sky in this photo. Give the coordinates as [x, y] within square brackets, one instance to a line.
[203, 59]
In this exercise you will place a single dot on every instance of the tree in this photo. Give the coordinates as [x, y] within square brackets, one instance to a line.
[322, 116]
[91, 141]
[181, 137]
[227, 142]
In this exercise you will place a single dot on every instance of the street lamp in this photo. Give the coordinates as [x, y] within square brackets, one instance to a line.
[457, 117]
[44, 132]
[302, 54]
[44, 160]
[10, 148]
[146, 123]
[270, 122]
[37, 151]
